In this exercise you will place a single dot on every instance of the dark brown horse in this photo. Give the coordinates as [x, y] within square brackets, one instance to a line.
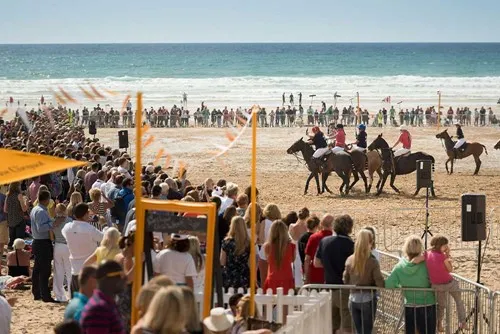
[497, 146]
[397, 166]
[474, 149]
[341, 164]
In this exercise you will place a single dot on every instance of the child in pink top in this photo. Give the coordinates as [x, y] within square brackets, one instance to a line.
[439, 266]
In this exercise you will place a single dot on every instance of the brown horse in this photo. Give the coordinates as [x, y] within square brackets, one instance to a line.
[474, 149]
[370, 160]
[497, 146]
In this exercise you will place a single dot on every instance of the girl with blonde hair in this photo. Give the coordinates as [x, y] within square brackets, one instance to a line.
[199, 262]
[271, 213]
[280, 254]
[76, 198]
[242, 315]
[234, 256]
[51, 208]
[108, 249]
[157, 321]
[193, 323]
[363, 269]
[96, 205]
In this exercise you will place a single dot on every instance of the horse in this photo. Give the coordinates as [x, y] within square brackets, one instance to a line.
[373, 164]
[341, 164]
[359, 160]
[399, 165]
[497, 146]
[474, 149]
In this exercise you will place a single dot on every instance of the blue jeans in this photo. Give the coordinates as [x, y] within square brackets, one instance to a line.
[422, 319]
[363, 315]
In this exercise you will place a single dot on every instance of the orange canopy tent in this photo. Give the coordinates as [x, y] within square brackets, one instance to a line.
[18, 166]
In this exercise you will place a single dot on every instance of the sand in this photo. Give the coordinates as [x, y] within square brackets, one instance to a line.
[281, 180]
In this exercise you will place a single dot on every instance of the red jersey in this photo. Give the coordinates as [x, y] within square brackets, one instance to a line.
[405, 139]
[316, 275]
[340, 138]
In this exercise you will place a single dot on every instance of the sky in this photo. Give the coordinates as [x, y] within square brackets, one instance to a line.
[203, 21]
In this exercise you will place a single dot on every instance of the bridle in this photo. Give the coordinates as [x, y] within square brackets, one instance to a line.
[300, 160]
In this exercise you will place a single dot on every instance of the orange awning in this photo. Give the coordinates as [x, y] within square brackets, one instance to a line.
[18, 166]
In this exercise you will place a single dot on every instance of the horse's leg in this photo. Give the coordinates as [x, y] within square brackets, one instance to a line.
[325, 187]
[446, 165]
[393, 178]
[341, 189]
[478, 164]
[384, 178]
[416, 192]
[379, 172]
[345, 178]
[452, 162]
[363, 176]
[370, 179]
[307, 182]
[356, 179]
[316, 178]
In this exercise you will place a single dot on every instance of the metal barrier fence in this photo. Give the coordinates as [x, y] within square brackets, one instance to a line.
[401, 310]
[495, 313]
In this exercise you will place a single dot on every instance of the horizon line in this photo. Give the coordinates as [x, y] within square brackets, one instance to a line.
[254, 42]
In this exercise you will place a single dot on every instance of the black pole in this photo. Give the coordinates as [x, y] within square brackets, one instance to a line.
[478, 280]
[426, 215]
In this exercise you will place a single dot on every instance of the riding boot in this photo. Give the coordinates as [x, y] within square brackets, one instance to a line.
[455, 153]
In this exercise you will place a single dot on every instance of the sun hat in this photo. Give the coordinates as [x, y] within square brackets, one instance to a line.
[457, 123]
[218, 320]
[176, 236]
[402, 128]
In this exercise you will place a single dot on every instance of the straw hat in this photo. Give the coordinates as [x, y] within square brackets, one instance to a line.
[218, 320]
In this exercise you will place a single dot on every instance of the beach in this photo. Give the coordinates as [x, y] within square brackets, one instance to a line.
[281, 180]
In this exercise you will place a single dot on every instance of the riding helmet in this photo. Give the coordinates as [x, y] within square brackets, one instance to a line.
[362, 127]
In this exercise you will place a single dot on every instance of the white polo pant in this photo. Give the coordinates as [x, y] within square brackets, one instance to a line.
[401, 151]
[62, 268]
[459, 143]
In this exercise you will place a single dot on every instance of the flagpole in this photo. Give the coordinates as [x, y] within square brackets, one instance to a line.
[358, 112]
[439, 110]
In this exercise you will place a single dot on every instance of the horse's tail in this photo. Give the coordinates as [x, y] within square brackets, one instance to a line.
[485, 150]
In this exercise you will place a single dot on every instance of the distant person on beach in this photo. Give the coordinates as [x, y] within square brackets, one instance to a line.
[300, 99]
[184, 99]
[283, 99]
[291, 99]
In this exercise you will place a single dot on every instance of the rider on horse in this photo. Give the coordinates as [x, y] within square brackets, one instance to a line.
[339, 136]
[361, 139]
[319, 142]
[461, 139]
[405, 139]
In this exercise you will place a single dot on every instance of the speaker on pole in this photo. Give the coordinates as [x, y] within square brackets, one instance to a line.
[473, 217]
[92, 128]
[123, 139]
[424, 174]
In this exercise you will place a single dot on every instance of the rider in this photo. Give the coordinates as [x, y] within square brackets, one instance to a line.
[339, 136]
[461, 140]
[319, 142]
[361, 139]
[405, 139]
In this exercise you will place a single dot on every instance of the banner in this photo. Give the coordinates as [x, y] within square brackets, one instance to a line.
[18, 166]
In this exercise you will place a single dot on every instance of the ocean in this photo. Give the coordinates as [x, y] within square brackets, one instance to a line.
[237, 75]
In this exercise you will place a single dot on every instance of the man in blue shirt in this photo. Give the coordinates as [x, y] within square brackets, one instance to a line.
[87, 282]
[41, 224]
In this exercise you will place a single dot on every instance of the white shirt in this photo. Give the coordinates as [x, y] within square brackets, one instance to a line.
[82, 239]
[125, 172]
[226, 203]
[267, 229]
[175, 265]
[98, 184]
[5, 316]
[107, 187]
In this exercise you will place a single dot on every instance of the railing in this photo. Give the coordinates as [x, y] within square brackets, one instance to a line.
[393, 310]
[280, 307]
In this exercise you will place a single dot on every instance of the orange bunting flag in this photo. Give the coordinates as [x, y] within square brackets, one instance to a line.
[160, 154]
[230, 136]
[145, 128]
[182, 168]
[87, 93]
[59, 98]
[167, 161]
[67, 96]
[111, 92]
[242, 120]
[149, 141]
[124, 104]
[96, 92]
[3, 112]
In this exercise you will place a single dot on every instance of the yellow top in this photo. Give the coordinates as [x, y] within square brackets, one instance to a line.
[51, 207]
[103, 253]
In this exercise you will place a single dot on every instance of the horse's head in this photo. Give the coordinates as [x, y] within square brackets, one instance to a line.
[296, 147]
[442, 134]
[378, 143]
[497, 146]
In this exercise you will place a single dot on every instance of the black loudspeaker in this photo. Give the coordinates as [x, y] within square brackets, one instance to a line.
[123, 139]
[92, 128]
[424, 173]
[473, 217]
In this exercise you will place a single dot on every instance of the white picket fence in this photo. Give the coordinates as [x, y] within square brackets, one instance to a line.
[305, 312]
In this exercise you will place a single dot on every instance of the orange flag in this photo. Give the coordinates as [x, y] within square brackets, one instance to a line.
[96, 92]
[149, 141]
[230, 136]
[87, 93]
[160, 153]
[167, 161]
[67, 96]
